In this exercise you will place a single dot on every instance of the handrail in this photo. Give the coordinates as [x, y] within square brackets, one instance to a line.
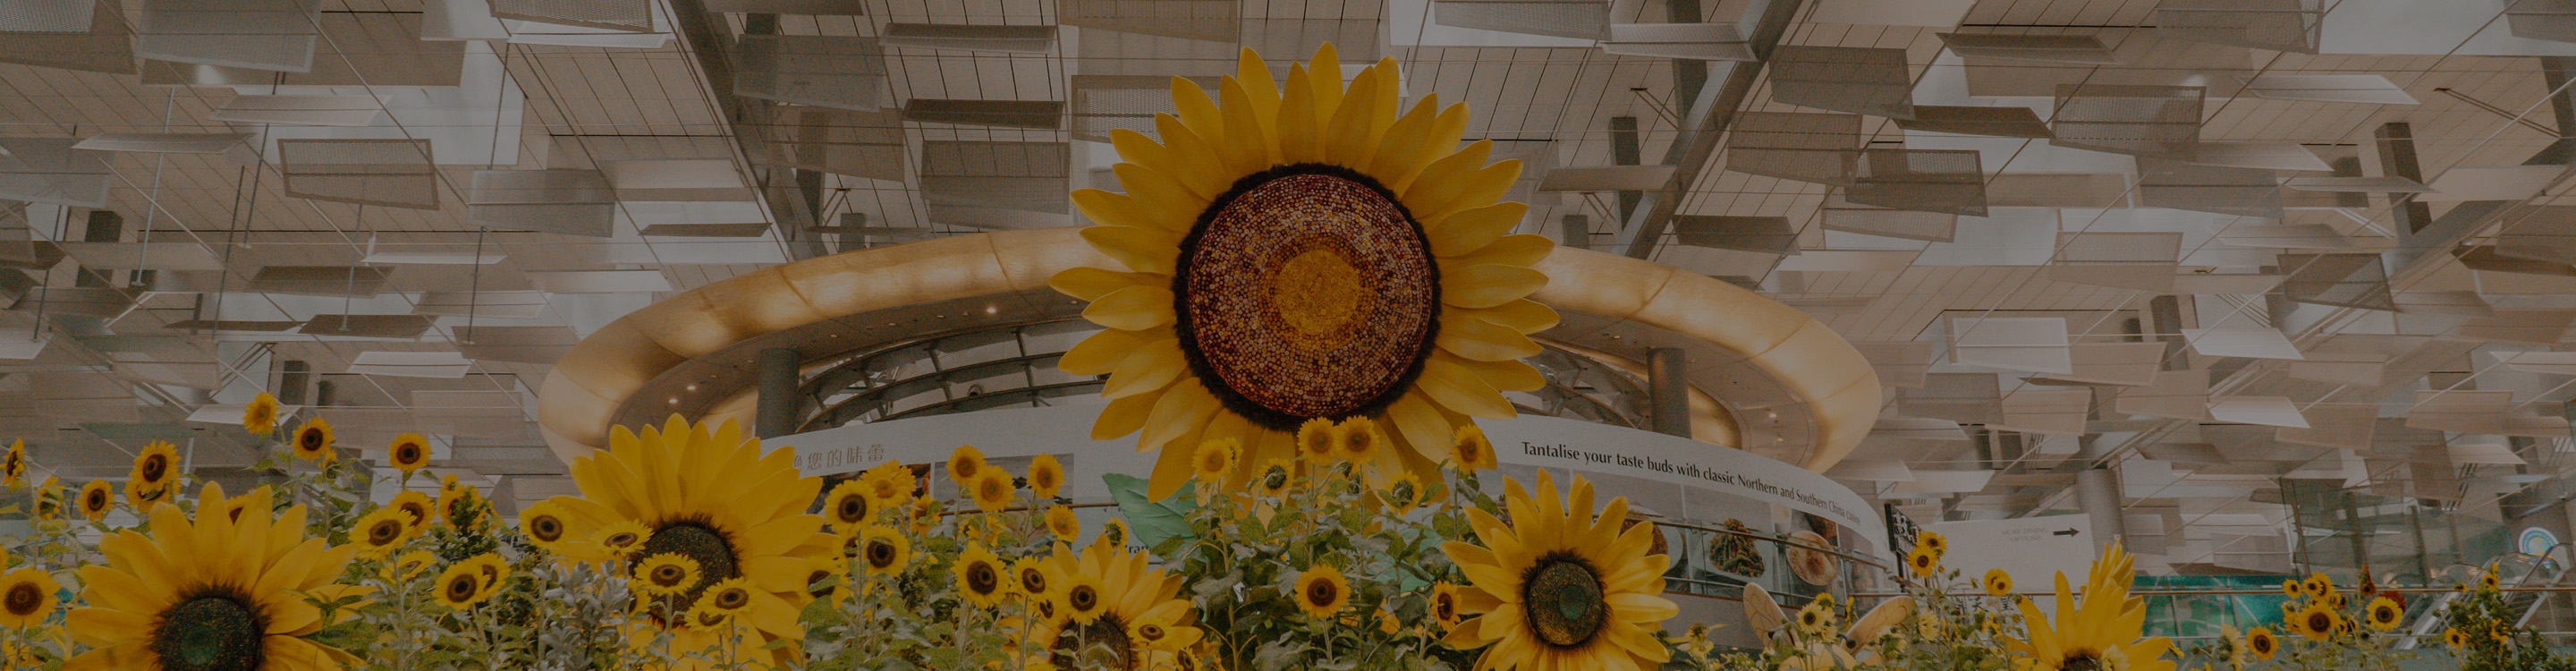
[859, 404]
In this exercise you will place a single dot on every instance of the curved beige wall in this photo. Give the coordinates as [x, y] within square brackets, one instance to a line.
[589, 384]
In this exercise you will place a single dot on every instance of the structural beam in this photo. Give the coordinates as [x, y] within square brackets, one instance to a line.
[1703, 125]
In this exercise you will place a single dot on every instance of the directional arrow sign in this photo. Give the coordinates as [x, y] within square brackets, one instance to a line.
[2032, 549]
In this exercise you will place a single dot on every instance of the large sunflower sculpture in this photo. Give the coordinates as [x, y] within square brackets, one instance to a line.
[712, 497]
[1303, 252]
[1559, 587]
[212, 593]
[2104, 632]
[1096, 602]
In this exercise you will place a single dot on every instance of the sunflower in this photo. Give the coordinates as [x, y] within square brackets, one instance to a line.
[410, 564]
[1061, 523]
[993, 490]
[156, 468]
[1470, 450]
[1316, 440]
[706, 618]
[260, 417]
[379, 533]
[1934, 543]
[713, 496]
[1029, 579]
[964, 464]
[1444, 604]
[1362, 442]
[1103, 595]
[2383, 613]
[419, 505]
[1997, 582]
[2455, 638]
[49, 500]
[13, 465]
[1922, 560]
[1214, 460]
[623, 539]
[729, 597]
[96, 498]
[27, 598]
[1302, 254]
[543, 524]
[849, 506]
[143, 499]
[666, 574]
[210, 592]
[1322, 591]
[1559, 587]
[2487, 581]
[883, 551]
[493, 569]
[2110, 622]
[1046, 477]
[2317, 622]
[1112, 533]
[313, 440]
[2290, 587]
[979, 575]
[1402, 492]
[408, 453]
[461, 586]
[1273, 479]
[2317, 586]
[458, 501]
[2262, 643]
[890, 484]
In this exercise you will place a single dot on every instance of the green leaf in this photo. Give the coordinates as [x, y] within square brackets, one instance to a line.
[1154, 523]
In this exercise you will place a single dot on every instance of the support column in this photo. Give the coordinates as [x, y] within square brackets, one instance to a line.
[1669, 391]
[778, 399]
[1624, 150]
[2097, 492]
[293, 378]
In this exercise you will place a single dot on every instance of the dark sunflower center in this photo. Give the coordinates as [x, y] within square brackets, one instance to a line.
[695, 540]
[818, 583]
[995, 488]
[96, 500]
[22, 599]
[1042, 479]
[463, 587]
[418, 512]
[1275, 478]
[311, 440]
[668, 575]
[1563, 600]
[213, 632]
[384, 533]
[620, 539]
[545, 528]
[1083, 598]
[1322, 593]
[154, 466]
[733, 598]
[407, 453]
[1033, 581]
[2080, 661]
[982, 579]
[1305, 291]
[2320, 622]
[881, 554]
[852, 510]
[1444, 607]
[1103, 644]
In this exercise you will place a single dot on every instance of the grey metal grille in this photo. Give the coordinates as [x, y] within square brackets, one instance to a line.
[840, 72]
[47, 16]
[2247, 192]
[256, 34]
[1805, 147]
[1209, 20]
[1579, 19]
[1924, 180]
[392, 173]
[2279, 25]
[2161, 121]
[1026, 176]
[2348, 280]
[1858, 80]
[634, 16]
[843, 142]
[1768, 235]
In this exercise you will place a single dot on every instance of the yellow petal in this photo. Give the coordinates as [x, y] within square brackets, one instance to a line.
[1456, 388]
[1402, 144]
[1202, 170]
[1445, 176]
[1524, 315]
[1480, 340]
[1503, 375]
[1088, 283]
[1196, 110]
[1248, 140]
[1123, 416]
[1477, 189]
[1300, 132]
[1324, 76]
[1471, 230]
[1512, 250]
[1349, 137]
[1440, 142]
[1172, 467]
[1134, 308]
[1102, 352]
[1259, 89]
[1135, 147]
[1185, 406]
[1488, 285]
[1159, 199]
[1421, 424]
[1152, 367]
[1143, 250]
